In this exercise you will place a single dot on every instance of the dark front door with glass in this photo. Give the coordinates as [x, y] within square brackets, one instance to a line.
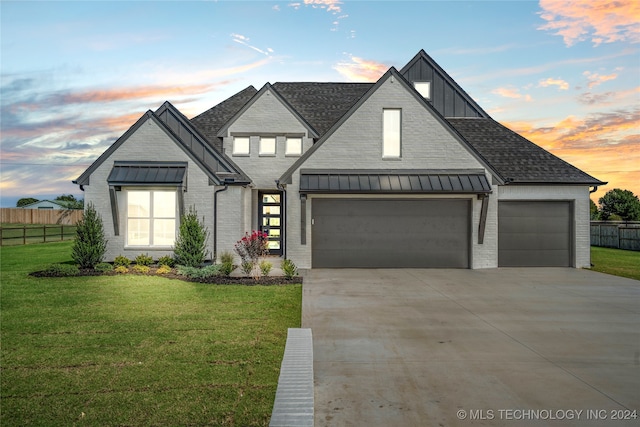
[270, 220]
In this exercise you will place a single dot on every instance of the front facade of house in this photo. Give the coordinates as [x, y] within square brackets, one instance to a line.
[405, 172]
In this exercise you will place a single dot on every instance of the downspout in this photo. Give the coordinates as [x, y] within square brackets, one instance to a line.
[215, 220]
[595, 188]
[283, 188]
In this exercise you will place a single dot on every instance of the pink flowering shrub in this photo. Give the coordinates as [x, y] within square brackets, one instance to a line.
[250, 248]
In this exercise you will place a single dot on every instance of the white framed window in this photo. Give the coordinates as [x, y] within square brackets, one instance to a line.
[151, 218]
[241, 146]
[391, 129]
[423, 88]
[267, 146]
[293, 146]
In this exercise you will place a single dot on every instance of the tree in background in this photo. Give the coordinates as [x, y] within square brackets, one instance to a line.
[90, 244]
[25, 201]
[619, 204]
[69, 201]
[593, 210]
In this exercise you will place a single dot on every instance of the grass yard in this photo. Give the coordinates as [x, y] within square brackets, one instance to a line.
[616, 261]
[19, 234]
[136, 350]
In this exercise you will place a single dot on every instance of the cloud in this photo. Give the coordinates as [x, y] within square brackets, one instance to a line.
[601, 21]
[562, 85]
[332, 6]
[361, 70]
[596, 79]
[509, 92]
[239, 38]
[605, 145]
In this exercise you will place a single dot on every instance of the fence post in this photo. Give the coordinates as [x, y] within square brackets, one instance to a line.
[24, 234]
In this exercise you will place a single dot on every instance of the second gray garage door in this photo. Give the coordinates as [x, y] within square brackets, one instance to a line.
[534, 234]
[388, 233]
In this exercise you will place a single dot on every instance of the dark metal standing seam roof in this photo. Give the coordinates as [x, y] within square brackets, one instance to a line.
[148, 173]
[393, 181]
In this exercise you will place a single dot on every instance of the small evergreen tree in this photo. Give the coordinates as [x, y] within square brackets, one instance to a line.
[90, 244]
[191, 245]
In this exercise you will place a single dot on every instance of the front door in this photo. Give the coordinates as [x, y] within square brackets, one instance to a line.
[270, 220]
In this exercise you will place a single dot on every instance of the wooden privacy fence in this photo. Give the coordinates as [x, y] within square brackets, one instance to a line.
[616, 234]
[21, 235]
[40, 216]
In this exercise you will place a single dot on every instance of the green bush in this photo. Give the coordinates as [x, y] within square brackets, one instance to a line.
[247, 267]
[191, 245]
[163, 269]
[144, 259]
[198, 273]
[226, 257]
[121, 269]
[226, 268]
[288, 268]
[265, 267]
[142, 269]
[62, 270]
[121, 261]
[166, 260]
[104, 267]
[90, 244]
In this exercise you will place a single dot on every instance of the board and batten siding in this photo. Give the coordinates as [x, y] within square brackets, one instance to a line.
[578, 194]
[357, 144]
[148, 143]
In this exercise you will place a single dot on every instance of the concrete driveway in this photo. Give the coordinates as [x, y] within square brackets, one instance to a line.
[543, 346]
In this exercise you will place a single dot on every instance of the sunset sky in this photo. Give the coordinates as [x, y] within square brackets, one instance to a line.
[76, 75]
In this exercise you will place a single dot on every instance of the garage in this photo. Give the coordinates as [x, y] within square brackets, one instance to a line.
[391, 233]
[535, 234]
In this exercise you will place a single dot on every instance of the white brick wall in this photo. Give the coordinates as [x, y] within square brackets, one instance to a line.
[148, 143]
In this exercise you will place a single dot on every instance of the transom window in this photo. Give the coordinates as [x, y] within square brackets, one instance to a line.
[293, 146]
[391, 128]
[241, 145]
[151, 218]
[267, 146]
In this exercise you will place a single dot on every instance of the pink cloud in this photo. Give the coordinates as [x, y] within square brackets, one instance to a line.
[361, 70]
[602, 21]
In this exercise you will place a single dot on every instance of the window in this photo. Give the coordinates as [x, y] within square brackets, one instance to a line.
[267, 146]
[391, 133]
[423, 88]
[240, 145]
[294, 147]
[151, 218]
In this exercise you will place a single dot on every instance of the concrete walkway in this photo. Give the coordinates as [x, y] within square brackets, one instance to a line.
[544, 346]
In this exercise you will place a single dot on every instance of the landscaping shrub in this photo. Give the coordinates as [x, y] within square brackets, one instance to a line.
[90, 244]
[144, 259]
[191, 245]
[250, 248]
[167, 261]
[163, 269]
[289, 268]
[61, 270]
[198, 273]
[265, 267]
[226, 263]
[121, 269]
[142, 269]
[121, 261]
[103, 267]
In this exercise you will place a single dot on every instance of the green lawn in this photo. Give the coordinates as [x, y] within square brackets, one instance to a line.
[134, 350]
[616, 261]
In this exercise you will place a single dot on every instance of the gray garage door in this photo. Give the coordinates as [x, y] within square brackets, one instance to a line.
[366, 233]
[534, 234]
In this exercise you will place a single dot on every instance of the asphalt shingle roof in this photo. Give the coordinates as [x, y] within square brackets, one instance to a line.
[514, 157]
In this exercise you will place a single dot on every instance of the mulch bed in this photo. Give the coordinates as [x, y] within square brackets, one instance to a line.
[217, 280]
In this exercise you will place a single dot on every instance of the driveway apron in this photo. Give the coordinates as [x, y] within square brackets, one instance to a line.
[410, 347]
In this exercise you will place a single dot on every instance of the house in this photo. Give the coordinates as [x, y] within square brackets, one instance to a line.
[408, 171]
[45, 204]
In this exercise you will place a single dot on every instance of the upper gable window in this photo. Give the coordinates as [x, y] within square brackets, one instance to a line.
[267, 146]
[423, 88]
[391, 129]
[240, 145]
[293, 147]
